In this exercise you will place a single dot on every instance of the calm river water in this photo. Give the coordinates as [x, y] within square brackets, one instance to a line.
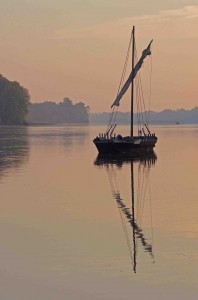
[66, 217]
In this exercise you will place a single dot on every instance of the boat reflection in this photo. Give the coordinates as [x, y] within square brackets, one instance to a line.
[131, 215]
[121, 159]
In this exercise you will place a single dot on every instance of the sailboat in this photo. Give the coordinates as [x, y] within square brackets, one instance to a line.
[128, 214]
[144, 141]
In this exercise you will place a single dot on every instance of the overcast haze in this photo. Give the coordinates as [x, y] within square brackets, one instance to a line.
[77, 48]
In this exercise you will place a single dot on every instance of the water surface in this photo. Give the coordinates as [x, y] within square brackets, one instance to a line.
[64, 228]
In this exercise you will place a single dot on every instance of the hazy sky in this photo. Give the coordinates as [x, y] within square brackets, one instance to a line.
[77, 48]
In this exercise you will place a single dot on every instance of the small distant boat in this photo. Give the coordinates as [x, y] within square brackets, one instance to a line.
[144, 141]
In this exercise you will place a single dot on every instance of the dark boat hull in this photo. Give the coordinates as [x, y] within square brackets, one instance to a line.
[135, 145]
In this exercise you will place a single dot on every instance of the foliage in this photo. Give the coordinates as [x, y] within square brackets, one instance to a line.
[14, 101]
[49, 112]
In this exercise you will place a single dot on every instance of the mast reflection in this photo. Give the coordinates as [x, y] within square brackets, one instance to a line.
[145, 162]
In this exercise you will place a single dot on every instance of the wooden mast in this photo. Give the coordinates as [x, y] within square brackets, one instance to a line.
[132, 83]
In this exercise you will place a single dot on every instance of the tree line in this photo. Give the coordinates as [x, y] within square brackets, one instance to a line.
[53, 113]
[15, 108]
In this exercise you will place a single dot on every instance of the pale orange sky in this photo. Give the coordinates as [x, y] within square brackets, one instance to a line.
[76, 49]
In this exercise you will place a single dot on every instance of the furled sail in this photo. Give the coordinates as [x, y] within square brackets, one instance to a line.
[125, 87]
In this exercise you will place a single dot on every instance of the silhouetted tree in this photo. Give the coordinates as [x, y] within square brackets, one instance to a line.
[14, 101]
[82, 112]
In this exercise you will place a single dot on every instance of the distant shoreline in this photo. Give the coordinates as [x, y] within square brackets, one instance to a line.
[167, 116]
[92, 124]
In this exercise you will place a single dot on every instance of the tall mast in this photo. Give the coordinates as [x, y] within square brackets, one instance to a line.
[132, 83]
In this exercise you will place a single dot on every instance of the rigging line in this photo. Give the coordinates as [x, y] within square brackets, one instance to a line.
[139, 99]
[138, 107]
[110, 119]
[138, 92]
[151, 71]
[142, 100]
[137, 104]
[140, 114]
[144, 194]
[140, 103]
[146, 113]
[126, 233]
[115, 179]
[139, 199]
[113, 116]
[125, 66]
[138, 192]
[152, 235]
[140, 83]
[110, 178]
[145, 176]
[146, 117]
[140, 195]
